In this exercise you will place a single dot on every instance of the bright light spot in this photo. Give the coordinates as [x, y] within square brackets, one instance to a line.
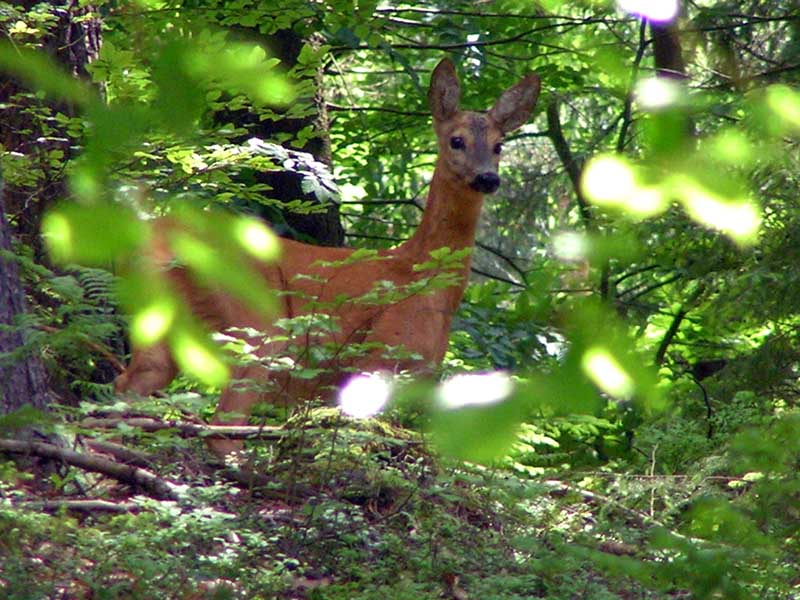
[654, 10]
[607, 179]
[645, 202]
[475, 389]
[57, 233]
[150, 324]
[607, 373]
[611, 181]
[257, 239]
[571, 246]
[195, 358]
[785, 102]
[740, 219]
[732, 146]
[654, 93]
[365, 395]
[351, 193]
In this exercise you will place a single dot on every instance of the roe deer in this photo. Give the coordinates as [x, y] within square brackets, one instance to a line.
[467, 168]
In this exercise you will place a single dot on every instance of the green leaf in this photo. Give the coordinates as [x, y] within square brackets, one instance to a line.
[92, 235]
[41, 73]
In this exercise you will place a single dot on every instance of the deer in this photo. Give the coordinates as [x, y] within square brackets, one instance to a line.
[469, 150]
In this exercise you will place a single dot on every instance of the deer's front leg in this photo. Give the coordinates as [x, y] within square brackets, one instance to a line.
[235, 405]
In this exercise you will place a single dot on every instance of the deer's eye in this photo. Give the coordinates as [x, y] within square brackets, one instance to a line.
[457, 143]
[498, 148]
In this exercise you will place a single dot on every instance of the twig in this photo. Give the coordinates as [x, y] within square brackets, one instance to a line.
[157, 487]
[628, 107]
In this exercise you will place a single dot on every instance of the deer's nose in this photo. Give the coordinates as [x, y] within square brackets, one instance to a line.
[486, 182]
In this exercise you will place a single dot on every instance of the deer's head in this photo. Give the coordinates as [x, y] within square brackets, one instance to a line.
[470, 143]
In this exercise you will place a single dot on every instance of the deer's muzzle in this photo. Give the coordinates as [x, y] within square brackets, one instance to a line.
[486, 183]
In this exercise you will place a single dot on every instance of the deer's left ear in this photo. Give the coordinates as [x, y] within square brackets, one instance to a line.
[516, 104]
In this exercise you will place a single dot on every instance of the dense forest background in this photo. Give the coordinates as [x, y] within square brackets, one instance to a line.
[626, 353]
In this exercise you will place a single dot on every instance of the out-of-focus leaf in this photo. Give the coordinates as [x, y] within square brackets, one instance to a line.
[92, 235]
[198, 357]
[210, 246]
[41, 73]
[477, 416]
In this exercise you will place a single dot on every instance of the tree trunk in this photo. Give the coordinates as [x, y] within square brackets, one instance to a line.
[323, 228]
[22, 378]
[35, 180]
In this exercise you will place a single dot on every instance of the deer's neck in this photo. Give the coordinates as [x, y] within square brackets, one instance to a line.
[450, 218]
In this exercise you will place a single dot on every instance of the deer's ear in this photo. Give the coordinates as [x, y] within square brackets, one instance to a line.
[516, 104]
[444, 92]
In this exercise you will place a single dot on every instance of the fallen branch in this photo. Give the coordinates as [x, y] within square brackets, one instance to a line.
[234, 432]
[80, 506]
[121, 453]
[157, 487]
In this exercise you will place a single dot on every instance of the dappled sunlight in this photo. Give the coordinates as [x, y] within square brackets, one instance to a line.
[199, 360]
[571, 246]
[654, 93]
[366, 395]
[785, 102]
[654, 10]
[606, 372]
[611, 181]
[257, 239]
[475, 389]
[740, 219]
[152, 323]
[57, 233]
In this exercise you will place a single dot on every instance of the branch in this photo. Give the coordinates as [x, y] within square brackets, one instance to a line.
[507, 259]
[675, 325]
[120, 452]
[235, 432]
[157, 487]
[572, 166]
[384, 109]
[648, 289]
[627, 110]
[80, 506]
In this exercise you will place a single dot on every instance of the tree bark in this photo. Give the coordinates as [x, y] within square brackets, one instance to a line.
[73, 41]
[23, 381]
[325, 227]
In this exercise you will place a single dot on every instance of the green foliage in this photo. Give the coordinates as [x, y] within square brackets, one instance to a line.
[666, 477]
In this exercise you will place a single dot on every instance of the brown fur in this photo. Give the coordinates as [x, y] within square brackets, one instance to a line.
[420, 323]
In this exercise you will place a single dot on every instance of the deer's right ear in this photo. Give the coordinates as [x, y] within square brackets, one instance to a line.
[444, 92]
[515, 106]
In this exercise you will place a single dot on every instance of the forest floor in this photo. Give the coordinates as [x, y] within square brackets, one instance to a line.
[323, 508]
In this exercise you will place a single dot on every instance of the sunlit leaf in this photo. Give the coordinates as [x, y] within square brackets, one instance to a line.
[152, 322]
[738, 218]
[785, 104]
[477, 417]
[611, 181]
[71, 233]
[655, 93]
[257, 238]
[731, 146]
[39, 72]
[606, 372]
[195, 355]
